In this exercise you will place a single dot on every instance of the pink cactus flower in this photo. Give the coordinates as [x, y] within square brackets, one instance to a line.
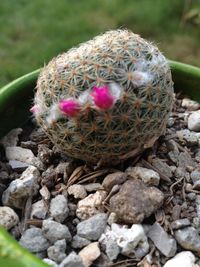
[102, 97]
[69, 107]
[34, 109]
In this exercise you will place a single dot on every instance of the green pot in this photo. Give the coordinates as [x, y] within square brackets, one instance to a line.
[15, 102]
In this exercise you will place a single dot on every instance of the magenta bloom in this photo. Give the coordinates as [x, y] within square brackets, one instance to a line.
[34, 109]
[69, 107]
[102, 97]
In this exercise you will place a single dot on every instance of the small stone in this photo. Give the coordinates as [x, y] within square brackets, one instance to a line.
[90, 253]
[33, 240]
[162, 240]
[190, 137]
[54, 231]
[44, 153]
[8, 218]
[182, 259]
[191, 196]
[49, 177]
[4, 176]
[173, 155]
[20, 154]
[149, 177]
[185, 160]
[39, 210]
[132, 242]
[57, 251]
[112, 218]
[65, 169]
[50, 262]
[44, 192]
[194, 121]
[93, 227]
[72, 260]
[195, 176]
[197, 202]
[190, 104]
[59, 208]
[188, 238]
[18, 165]
[135, 201]
[20, 189]
[91, 205]
[112, 179]
[77, 190]
[112, 249]
[162, 167]
[12, 138]
[92, 187]
[79, 242]
[180, 223]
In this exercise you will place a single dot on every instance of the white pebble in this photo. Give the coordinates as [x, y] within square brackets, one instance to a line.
[8, 217]
[77, 190]
[194, 121]
[182, 259]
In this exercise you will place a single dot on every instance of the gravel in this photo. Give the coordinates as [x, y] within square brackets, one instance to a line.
[143, 212]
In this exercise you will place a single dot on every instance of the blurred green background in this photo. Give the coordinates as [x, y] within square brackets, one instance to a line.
[32, 32]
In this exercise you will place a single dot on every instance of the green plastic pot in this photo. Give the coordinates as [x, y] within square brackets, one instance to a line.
[15, 102]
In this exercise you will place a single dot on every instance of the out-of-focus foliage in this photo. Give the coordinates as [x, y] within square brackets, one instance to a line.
[32, 32]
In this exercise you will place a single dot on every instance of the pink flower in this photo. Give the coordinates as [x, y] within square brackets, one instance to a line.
[34, 109]
[69, 107]
[102, 97]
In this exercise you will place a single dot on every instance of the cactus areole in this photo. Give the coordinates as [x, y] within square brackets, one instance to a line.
[107, 99]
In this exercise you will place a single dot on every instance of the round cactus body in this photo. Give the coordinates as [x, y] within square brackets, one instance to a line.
[106, 98]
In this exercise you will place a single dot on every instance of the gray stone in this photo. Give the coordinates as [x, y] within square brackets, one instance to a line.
[22, 188]
[185, 160]
[195, 176]
[112, 249]
[188, 238]
[92, 187]
[33, 240]
[194, 121]
[54, 231]
[135, 201]
[77, 190]
[173, 155]
[191, 196]
[162, 240]
[72, 260]
[163, 167]
[149, 177]
[18, 165]
[57, 251]
[20, 154]
[59, 208]
[8, 218]
[93, 227]
[79, 242]
[189, 136]
[112, 179]
[39, 210]
[180, 223]
[197, 202]
[12, 138]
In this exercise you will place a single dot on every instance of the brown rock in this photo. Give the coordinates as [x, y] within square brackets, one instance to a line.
[135, 201]
[114, 178]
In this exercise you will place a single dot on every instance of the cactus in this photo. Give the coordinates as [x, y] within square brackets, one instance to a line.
[105, 99]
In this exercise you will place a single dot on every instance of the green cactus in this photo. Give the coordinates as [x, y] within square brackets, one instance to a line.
[106, 99]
